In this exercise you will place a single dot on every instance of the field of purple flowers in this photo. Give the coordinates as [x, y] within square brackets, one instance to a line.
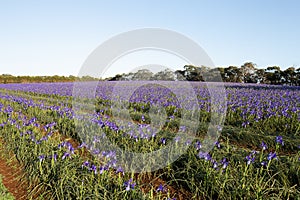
[256, 156]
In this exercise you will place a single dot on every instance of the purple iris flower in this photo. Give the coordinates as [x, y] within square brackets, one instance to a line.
[96, 151]
[263, 163]
[55, 157]
[42, 157]
[71, 149]
[217, 144]
[225, 163]
[188, 142]
[272, 156]
[129, 184]
[61, 145]
[82, 145]
[160, 188]
[66, 154]
[120, 170]
[198, 145]
[176, 139]
[94, 169]
[102, 169]
[245, 124]
[2, 125]
[204, 155]
[215, 164]
[279, 140]
[85, 164]
[44, 138]
[250, 158]
[264, 145]
[182, 128]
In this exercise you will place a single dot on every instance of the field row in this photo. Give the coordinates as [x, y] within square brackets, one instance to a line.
[90, 153]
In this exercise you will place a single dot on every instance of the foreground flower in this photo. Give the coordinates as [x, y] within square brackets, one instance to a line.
[204, 155]
[102, 169]
[279, 140]
[66, 154]
[176, 139]
[217, 144]
[82, 146]
[250, 158]
[54, 157]
[160, 188]
[272, 156]
[93, 168]
[198, 145]
[215, 164]
[263, 163]
[85, 164]
[264, 145]
[129, 185]
[42, 157]
[188, 142]
[120, 170]
[225, 163]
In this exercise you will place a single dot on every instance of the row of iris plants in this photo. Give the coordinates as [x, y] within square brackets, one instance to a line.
[61, 160]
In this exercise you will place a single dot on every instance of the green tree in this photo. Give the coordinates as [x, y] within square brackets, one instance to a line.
[193, 73]
[260, 76]
[232, 74]
[165, 75]
[248, 72]
[273, 75]
[289, 76]
[142, 74]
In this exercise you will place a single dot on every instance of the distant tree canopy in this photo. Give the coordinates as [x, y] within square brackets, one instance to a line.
[247, 73]
[7, 78]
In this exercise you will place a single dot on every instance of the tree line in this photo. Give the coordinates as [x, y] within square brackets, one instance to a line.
[247, 73]
[7, 78]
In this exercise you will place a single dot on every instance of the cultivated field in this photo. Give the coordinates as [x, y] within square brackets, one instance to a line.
[66, 144]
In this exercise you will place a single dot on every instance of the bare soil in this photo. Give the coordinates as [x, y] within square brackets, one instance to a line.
[11, 173]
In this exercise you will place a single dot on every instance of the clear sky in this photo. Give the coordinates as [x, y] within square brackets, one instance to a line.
[55, 37]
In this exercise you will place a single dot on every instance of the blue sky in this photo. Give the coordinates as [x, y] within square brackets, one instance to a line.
[55, 37]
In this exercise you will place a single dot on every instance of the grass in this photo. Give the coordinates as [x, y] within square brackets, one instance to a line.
[4, 193]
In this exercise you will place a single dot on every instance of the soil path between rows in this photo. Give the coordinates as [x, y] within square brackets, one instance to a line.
[11, 180]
